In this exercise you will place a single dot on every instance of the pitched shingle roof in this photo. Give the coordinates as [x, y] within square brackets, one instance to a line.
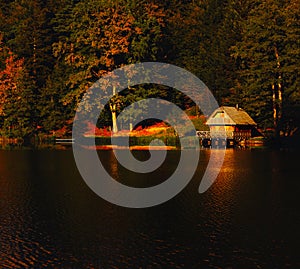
[234, 116]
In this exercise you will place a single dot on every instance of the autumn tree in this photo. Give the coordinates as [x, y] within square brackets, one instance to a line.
[15, 99]
[103, 36]
[29, 34]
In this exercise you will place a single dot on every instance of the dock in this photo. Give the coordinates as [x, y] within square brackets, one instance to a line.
[64, 141]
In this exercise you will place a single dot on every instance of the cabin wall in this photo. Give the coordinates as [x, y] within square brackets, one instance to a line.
[232, 132]
[221, 128]
[218, 131]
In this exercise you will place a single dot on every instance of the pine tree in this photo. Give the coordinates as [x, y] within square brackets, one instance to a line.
[30, 36]
[199, 39]
[268, 56]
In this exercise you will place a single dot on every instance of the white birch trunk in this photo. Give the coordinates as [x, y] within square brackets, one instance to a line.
[113, 109]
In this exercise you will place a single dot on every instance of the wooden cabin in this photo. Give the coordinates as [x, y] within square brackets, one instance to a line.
[236, 122]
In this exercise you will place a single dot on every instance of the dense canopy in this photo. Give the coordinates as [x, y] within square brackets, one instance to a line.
[51, 52]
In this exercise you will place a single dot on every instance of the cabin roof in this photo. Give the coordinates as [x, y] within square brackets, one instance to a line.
[233, 116]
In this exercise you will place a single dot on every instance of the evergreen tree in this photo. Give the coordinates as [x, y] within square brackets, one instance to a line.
[268, 57]
[54, 113]
[199, 38]
[30, 36]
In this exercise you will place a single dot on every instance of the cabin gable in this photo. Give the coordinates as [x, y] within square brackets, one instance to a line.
[235, 122]
[230, 116]
[220, 117]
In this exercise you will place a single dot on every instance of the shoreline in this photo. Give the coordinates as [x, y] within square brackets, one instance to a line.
[112, 147]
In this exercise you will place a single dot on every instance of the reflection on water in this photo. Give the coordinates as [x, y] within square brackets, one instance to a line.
[249, 218]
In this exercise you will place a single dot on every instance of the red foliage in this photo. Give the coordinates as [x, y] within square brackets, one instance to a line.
[10, 75]
[150, 130]
[139, 128]
[94, 130]
[62, 132]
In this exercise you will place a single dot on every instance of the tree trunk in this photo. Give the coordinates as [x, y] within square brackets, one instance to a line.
[114, 121]
[113, 109]
[279, 94]
[274, 106]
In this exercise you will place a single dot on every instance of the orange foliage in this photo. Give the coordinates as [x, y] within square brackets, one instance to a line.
[10, 75]
[150, 130]
[92, 130]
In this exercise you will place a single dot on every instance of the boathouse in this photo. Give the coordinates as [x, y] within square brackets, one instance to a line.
[228, 126]
[234, 121]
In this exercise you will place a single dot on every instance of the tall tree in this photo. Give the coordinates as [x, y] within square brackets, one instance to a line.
[55, 113]
[200, 36]
[15, 97]
[28, 32]
[30, 36]
[268, 57]
[105, 35]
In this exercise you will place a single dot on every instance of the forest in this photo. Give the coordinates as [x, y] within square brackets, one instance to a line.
[245, 51]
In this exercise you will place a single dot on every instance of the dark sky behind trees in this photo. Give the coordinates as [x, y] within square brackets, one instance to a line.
[51, 52]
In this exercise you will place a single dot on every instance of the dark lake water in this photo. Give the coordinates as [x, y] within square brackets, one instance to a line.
[249, 218]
